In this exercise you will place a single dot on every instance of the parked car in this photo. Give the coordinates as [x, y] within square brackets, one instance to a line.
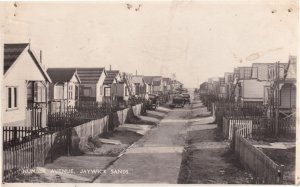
[153, 101]
[186, 98]
[177, 101]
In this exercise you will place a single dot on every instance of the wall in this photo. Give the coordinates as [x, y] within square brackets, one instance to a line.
[253, 90]
[288, 96]
[93, 92]
[100, 94]
[16, 76]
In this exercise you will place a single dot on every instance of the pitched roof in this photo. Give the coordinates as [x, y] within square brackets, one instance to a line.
[110, 76]
[11, 53]
[90, 75]
[167, 79]
[62, 74]
[156, 83]
[292, 68]
[138, 79]
[148, 79]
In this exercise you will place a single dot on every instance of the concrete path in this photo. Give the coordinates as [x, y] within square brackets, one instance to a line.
[155, 158]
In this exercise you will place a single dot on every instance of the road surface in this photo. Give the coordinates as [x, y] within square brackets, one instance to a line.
[155, 158]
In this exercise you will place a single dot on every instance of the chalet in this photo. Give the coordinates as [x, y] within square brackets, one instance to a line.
[25, 87]
[91, 87]
[112, 79]
[249, 86]
[283, 78]
[140, 85]
[64, 89]
[149, 84]
[203, 88]
[157, 83]
[123, 89]
[214, 86]
[167, 84]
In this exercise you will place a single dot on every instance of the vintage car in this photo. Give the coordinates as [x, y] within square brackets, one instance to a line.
[186, 97]
[152, 102]
[177, 101]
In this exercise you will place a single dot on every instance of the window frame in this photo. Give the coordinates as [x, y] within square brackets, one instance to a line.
[13, 96]
[105, 91]
[70, 92]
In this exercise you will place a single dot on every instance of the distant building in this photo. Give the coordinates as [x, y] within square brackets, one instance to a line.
[140, 85]
[111, 81]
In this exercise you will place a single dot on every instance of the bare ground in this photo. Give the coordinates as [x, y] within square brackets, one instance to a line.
[287, 157]
[212, 163]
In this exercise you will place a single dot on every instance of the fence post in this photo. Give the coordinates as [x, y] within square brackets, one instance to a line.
[232, 145]
[280, 174]
[51, 148]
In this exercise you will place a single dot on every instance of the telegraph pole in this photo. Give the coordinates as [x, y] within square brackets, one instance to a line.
[277, 99]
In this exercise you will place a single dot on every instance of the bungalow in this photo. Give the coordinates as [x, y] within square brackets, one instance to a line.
[149, 84]
[203, 88]
[64, 89]
[91, 87]
[156, 82]
[140, 85]
[122, 90]
[250, 87]
[167, 82]
[177, 84]
[112, 79]
[25, 86]
[285, 82]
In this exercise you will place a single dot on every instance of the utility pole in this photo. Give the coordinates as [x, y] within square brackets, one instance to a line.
[277, 99]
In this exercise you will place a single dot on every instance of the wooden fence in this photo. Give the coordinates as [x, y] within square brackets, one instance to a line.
[265, 170]
[29, 147]
[245, 125]
[23, 155]
[261, 127]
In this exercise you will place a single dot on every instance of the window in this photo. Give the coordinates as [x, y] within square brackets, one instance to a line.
[39, 92]
[70, 92]
[12, 97]
[107, 92]
[59, 92]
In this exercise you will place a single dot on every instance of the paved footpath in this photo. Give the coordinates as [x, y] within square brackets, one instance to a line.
[155, 158]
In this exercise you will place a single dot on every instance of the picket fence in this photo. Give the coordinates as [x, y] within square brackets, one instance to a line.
[245, 126]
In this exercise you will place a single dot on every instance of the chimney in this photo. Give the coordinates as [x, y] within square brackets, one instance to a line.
[41, 55]
[135, 72]
[110, 67]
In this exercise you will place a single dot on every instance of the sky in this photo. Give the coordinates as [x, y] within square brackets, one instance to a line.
[195, 40]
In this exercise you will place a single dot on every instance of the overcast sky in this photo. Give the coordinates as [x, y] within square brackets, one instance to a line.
[193, 39]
